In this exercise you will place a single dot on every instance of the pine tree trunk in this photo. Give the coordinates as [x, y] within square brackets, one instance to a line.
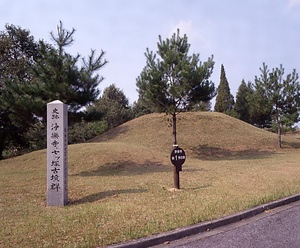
[2, 144]
[279, 131]
[175, 171]
[1, 152]
[174, 129]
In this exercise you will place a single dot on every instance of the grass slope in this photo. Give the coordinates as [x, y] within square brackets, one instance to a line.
[198, 132]
[119, 182]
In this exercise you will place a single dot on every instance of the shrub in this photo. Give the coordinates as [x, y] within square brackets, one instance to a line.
[83, 131]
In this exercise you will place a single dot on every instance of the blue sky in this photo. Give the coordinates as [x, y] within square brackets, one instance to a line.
[240, 34]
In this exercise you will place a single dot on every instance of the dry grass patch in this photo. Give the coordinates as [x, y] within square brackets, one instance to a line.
[203, 131]
[119, 188]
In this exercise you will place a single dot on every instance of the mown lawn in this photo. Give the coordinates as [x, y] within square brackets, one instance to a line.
[119, 192]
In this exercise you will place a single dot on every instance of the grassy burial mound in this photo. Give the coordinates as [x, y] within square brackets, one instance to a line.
[201, 133]
[119, 182]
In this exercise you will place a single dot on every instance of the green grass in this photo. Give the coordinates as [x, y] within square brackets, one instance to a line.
[119, 186]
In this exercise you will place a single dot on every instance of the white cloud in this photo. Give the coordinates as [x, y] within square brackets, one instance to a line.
[194, 35]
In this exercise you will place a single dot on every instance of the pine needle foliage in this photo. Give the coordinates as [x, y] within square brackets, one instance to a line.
[277, 97]
[172, 80]
[224, 100]
[242, 104]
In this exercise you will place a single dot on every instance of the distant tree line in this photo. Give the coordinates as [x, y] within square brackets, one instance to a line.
[272, 101]
[33, 73]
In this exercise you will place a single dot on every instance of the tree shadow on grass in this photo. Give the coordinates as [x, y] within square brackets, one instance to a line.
[105, 194]
[291, 144]
[125, 168]
[205, 152]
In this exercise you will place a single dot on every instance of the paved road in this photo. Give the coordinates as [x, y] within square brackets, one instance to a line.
[277, 228]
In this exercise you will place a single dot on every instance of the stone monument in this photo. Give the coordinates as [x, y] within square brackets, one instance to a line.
[57, 154]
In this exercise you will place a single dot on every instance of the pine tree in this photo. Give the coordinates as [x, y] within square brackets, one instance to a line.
[285, 97]
[277, 98]
[60, 77]
[242, 106]
[35, 73]
[224, 101]
[175, 81]
[260, 106]
[112, 107]
[140, 108]
[18, 54]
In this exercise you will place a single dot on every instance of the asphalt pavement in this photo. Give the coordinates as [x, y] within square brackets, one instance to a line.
[278, 228]
[275, 224]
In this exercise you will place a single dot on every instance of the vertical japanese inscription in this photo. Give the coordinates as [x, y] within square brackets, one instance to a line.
[57, 154]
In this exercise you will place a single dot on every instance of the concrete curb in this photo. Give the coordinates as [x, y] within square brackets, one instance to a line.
[203, 226]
